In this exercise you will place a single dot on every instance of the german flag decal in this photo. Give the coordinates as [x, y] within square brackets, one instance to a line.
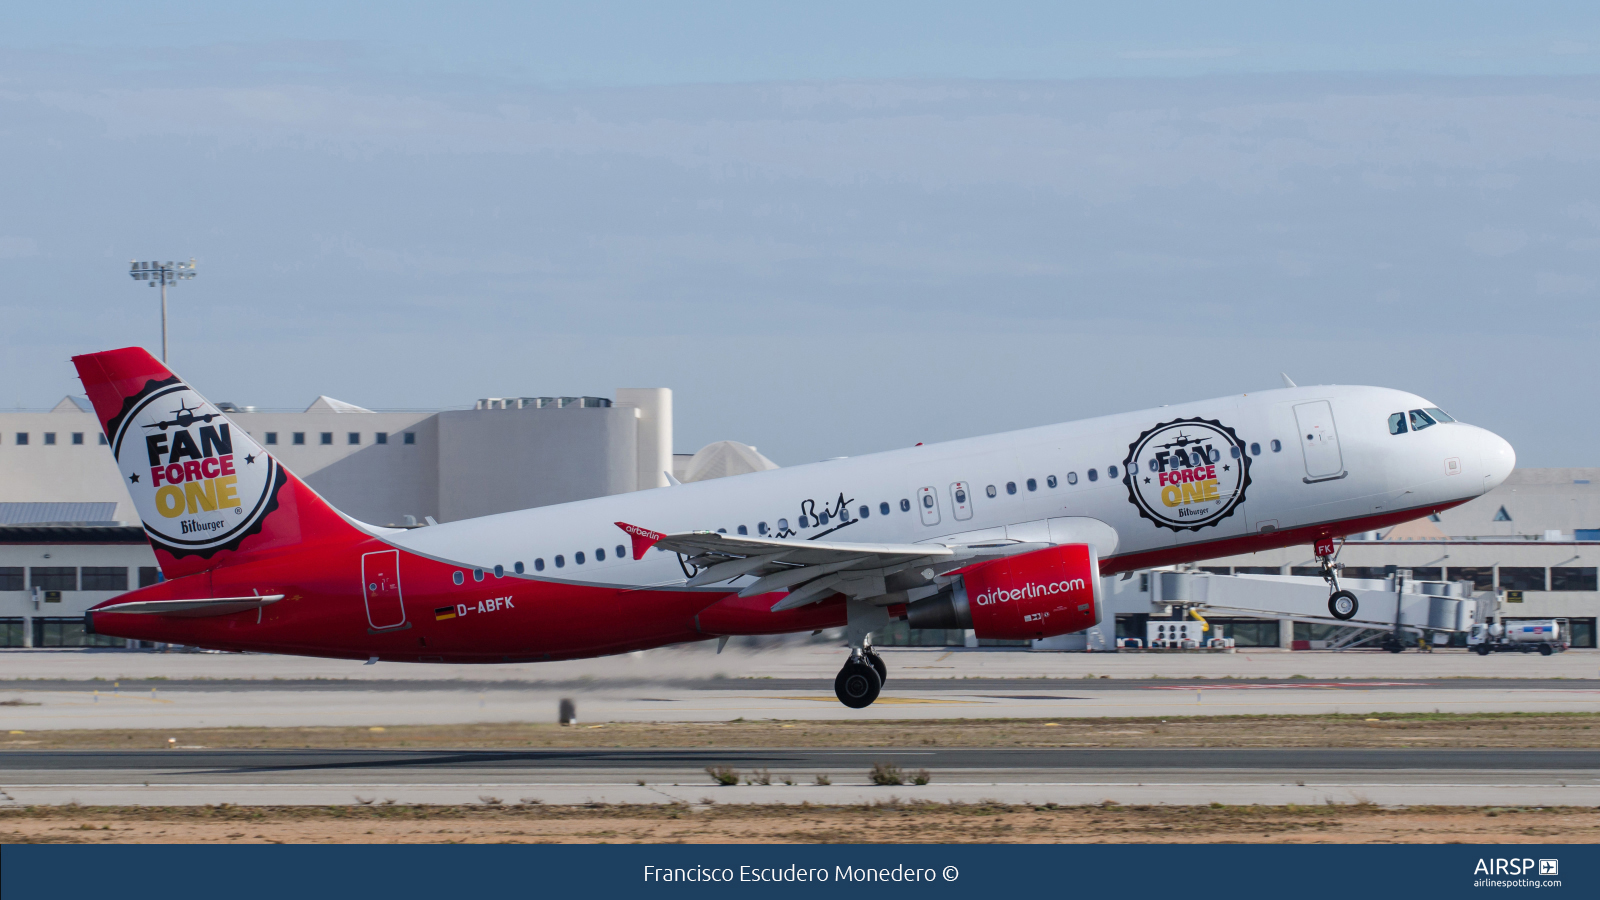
[440, 613]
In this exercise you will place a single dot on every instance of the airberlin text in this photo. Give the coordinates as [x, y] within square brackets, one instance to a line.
[193, 477]
[1029, 591]
[790, 873]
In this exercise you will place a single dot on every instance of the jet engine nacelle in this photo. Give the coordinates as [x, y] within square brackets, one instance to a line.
[1033, 595]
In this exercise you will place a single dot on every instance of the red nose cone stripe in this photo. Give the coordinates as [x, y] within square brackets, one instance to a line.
[643, 538]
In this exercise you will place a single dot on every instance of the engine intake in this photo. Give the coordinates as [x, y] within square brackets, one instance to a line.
[1035, 595]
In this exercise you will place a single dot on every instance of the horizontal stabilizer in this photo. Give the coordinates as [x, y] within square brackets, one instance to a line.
[215, 606]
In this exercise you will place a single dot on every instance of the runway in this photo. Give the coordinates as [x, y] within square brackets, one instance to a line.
[197, 703]
[1023, 775]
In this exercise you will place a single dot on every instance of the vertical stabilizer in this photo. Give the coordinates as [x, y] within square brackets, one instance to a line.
[207, 493]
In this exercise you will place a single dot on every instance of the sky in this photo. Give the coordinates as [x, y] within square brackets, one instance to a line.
[829, 228]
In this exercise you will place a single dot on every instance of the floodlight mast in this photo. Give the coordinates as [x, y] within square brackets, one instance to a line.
[154, 273]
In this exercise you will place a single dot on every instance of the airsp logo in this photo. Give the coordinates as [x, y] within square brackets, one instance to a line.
[198, 484]
[1187, 474]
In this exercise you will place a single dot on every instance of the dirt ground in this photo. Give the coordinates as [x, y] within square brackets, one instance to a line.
[1377, 730]
[888, 822]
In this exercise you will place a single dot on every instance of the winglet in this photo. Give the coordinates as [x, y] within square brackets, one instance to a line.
[643, 538]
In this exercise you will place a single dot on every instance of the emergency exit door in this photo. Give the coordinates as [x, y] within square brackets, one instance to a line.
[380, 584]
[1319, 441]
[928, 505]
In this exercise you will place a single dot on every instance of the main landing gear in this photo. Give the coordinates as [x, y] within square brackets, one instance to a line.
[864, 673]
[862, 677]
[1342, 604]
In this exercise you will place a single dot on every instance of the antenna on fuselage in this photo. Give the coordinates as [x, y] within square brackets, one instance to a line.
[1287, 381]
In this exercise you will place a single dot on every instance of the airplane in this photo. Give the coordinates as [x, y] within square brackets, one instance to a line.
[183, 417]
[1008, 535]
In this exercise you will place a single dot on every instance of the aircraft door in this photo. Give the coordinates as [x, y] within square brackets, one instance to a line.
[928, 505]
[960, 501]
[1319, 441]
[380, 585]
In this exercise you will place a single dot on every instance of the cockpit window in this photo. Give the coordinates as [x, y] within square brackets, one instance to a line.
[1397, 423]
[1421, 420]
[1438, 414]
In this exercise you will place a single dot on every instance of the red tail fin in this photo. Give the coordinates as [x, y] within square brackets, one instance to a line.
[207, 492]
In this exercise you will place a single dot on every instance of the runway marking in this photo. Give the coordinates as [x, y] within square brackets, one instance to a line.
[1290, 685]
[892, 701]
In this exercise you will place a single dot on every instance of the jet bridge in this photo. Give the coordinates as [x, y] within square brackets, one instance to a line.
[1391, 612]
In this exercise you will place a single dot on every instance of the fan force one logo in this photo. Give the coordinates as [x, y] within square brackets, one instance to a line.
[1187, 474]
[198, 484]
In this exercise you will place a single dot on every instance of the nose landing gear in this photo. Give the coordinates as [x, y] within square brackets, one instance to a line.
[1342, 604]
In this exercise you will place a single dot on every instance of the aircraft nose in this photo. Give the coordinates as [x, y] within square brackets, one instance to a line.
[1496, 456]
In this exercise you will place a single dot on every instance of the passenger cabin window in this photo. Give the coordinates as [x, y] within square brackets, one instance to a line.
[1050, 481]
[1072, 478]
[990, 490]
[1111, 471]
[1397, 423]
[499, 571]
[883, 508]
[1421, 420]
[599, 555]
[1234, 452]
[1277, 445]
[560, 560]
[761, 528]
[578, 557]
[1032, 485]
[803, 522]
[905, 505]
[622, 552]
[1255, 449]
[1093, 475]
[742, 530]
[517, 567]
[458, 577]
[865, 511]
[783, 524]
[1011, 487]
[477, 574]
[538, 564]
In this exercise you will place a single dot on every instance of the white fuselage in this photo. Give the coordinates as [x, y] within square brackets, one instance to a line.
[1353, 470]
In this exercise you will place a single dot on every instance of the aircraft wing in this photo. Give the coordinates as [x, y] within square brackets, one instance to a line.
[810, 570]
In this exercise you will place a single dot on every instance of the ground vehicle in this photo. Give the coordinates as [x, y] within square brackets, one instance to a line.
[1543, 636]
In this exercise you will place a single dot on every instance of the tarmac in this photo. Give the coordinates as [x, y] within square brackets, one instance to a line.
[88, 689]
[189, 690]
[1037, 776]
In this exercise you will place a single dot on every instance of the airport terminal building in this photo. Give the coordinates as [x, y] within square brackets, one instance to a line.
[69, 538]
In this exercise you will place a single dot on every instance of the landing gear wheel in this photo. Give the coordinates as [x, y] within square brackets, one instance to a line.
[879, 667]
[857, 684]
[1544, 650]
[1343, 605]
